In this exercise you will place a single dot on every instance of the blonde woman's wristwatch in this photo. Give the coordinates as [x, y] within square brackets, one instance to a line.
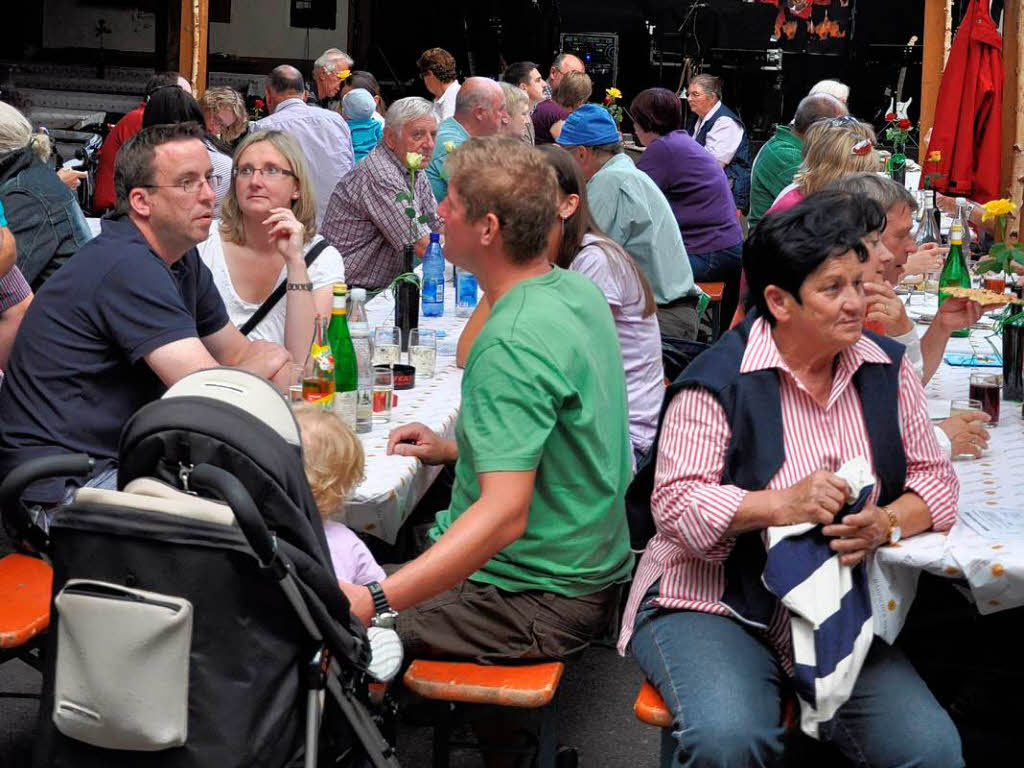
[895, 532]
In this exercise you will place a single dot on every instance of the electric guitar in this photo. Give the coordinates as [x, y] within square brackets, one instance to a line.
[897, 105]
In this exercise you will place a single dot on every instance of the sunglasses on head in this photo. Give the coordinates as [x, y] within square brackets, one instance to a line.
[836, 122]
[862, 147]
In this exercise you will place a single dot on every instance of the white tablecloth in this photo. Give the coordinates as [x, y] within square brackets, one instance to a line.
[394, 484]
[992, 564]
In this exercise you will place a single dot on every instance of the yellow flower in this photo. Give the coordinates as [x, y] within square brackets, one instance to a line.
[345, 74]
[935, 157]
[613, 93]
[414, 161]
[449, 147]
[995, 208]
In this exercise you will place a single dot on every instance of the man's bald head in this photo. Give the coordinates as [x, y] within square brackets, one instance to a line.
[817, 106]
[480, 106]
[563, 64]
[286, 80]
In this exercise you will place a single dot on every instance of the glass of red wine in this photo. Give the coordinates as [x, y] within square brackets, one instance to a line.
[985, 388]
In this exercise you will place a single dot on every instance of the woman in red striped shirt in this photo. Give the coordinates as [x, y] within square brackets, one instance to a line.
[751, 439]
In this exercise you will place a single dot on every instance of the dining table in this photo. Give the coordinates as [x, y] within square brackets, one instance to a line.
[984, 550]
[393, 485]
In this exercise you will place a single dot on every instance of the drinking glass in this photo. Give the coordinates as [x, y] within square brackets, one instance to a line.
[957, 407]
[423, 351]
[295, 373]
[387, 346]
[985, 388]
[383, 392]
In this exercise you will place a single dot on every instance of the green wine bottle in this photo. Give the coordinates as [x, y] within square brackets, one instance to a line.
[954, 271]
[346, 377]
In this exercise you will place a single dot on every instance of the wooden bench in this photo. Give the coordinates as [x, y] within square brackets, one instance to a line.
[714, 293]
[529, 687]
[25, 584]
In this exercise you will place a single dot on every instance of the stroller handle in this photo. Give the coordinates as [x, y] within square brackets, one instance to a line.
[224, 485]
[19, 478]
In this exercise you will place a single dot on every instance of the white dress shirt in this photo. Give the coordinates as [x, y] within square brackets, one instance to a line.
[444, 105]
[724, 137]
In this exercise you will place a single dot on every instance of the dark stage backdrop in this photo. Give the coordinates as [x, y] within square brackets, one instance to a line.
[861, 42]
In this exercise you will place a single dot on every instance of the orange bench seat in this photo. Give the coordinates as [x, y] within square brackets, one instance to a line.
[529, 686]
[713, 290]
[25, 584]
[650, 708]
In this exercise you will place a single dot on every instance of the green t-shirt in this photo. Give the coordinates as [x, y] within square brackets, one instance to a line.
[773, 171]
[544, 389]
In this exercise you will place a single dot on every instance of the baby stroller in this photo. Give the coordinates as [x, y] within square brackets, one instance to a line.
[196, 619]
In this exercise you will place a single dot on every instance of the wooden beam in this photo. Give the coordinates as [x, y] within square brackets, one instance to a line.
[932, 64]
[1013, 110]
[195, 34]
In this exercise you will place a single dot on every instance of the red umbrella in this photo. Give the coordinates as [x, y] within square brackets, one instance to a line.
[967, 110]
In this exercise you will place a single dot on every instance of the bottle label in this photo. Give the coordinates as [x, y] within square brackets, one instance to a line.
[322, 356]
[429, 292]
[345, 407]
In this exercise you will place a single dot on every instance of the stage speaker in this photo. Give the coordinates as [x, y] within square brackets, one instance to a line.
[314, 14]
[599, 51]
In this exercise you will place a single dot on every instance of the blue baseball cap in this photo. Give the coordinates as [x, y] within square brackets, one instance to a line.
[589, 126]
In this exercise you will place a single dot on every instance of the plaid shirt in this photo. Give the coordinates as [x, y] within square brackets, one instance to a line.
[13, 288]
[367, 226]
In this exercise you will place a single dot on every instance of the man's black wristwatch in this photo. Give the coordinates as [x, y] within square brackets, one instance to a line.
[386, 617]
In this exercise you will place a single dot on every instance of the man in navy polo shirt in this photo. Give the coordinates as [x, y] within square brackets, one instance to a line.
[133, 311]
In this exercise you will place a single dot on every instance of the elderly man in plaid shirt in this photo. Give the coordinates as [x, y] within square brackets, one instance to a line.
[364, 221]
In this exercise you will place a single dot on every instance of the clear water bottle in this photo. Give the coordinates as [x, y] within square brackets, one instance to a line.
[359, 329]
[432, 288]
[465, 294]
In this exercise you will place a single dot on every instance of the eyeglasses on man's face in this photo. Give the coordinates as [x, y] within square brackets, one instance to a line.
[271, 172]
[189, 186]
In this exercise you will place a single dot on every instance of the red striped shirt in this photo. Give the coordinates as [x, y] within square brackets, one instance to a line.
[692, 509]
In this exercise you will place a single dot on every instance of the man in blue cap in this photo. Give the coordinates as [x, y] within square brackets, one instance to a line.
[633, 212]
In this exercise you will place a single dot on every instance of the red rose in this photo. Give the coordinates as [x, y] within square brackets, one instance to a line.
[890, 116]
[904, 124]
[258, 104]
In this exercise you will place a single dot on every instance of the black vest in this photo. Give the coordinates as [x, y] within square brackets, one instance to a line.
[738, 169]
[753, 408]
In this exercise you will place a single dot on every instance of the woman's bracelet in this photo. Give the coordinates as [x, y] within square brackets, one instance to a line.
[300, 286]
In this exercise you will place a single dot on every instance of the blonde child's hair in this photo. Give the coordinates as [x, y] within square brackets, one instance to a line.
[332, 455]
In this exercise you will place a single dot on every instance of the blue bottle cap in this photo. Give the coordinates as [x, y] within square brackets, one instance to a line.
[435, 237]
[440, 333]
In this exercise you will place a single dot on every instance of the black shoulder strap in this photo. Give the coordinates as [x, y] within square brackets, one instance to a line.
[273, 298]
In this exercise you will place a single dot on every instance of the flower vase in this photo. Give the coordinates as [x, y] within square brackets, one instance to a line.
[898, 163]
[407, 300]
[1013, 361]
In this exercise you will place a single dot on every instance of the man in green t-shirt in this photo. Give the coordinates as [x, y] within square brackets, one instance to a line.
[779, 158]
[527, 560]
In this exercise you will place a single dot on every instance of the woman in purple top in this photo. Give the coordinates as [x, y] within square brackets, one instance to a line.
[696, 188]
